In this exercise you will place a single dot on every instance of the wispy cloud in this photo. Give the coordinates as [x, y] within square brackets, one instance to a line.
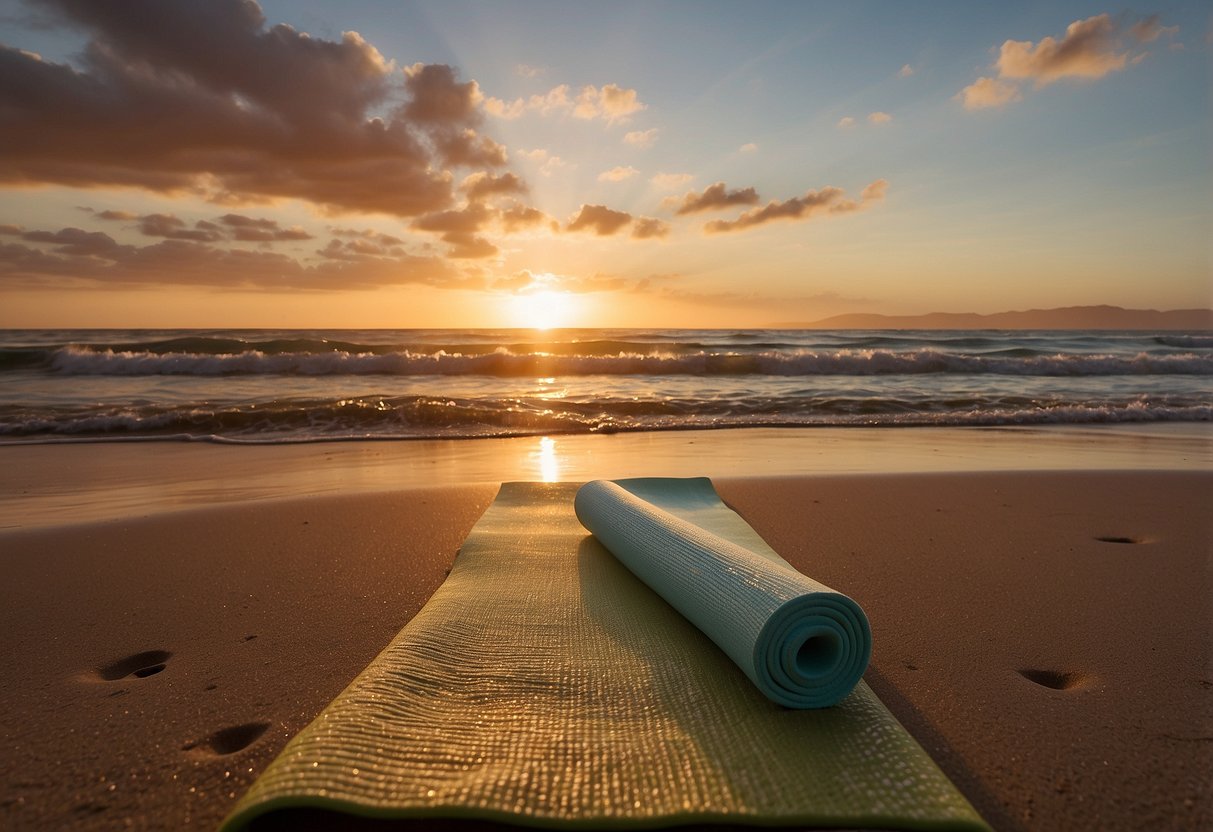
[748, 147]
[827, 201]
[641, 138]
[988, 92]
[714, 197]
[1089, 50]
[610, 103]
[879, 118]
[617, 174]
[352, 259]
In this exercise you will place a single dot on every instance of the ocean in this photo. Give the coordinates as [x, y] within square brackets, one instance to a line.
[286, 386]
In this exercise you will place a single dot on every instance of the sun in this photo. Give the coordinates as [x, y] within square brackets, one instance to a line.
[542, 310]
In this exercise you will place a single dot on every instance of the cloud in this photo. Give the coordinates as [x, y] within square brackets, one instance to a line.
[906, 71]
[76, 242]
[259, 230]
[988, 92]
[617, 174]
[367, 234]
[600, 219]
[460, 229]
[715, 196]
[205, 98]
[879, 118]
[1090, 49]
[481, 185]
[610, 102]
[174, 228]
[846, 122]
[646, 228]
[827, 201]
[556, 99]
[748, 147]
[528, 71]
[550, 165]
[519, 217]
[365, 260]
[1150, 30]
[641, 138]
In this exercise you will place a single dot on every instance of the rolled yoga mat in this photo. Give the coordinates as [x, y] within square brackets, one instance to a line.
[803, 644]
[544, 685]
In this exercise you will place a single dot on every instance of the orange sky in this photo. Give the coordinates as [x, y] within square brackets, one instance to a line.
[305, 164]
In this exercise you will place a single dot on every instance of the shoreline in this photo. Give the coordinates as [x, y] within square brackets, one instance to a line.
[45, 485]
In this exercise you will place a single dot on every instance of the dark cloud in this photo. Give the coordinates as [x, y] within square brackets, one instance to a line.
[600, 219]
[481, 185]
[72, 254]
[518, 217]
[715, 196]
[647, 228]
[174, 228]
[76, 242]
[828, 200]
[204, 97]
[260, 230]
[459, 229]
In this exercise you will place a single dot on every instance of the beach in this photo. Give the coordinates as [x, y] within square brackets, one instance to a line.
[1040, 601]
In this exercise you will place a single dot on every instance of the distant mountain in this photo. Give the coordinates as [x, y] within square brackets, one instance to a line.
[1070, 317]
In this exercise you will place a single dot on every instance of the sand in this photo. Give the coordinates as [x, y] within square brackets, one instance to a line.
[1045, 635]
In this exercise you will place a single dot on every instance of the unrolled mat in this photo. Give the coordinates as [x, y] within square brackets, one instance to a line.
[545, 685]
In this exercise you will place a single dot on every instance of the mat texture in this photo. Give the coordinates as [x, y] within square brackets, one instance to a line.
[803, 644]
[545, 685]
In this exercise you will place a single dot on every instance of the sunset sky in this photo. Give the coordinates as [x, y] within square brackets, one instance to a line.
[366, 164]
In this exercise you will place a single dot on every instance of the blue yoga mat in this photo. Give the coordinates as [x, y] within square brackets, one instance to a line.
[801, 643]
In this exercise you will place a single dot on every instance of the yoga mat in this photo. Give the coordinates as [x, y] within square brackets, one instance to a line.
[801, 643]
[545, 685]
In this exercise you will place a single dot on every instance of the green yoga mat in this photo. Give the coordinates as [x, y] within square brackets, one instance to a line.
[545, 685]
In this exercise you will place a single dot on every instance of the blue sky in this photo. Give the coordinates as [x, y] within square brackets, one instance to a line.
[1086, 177]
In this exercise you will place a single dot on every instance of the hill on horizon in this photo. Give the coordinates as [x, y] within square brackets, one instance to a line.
[1069, 317]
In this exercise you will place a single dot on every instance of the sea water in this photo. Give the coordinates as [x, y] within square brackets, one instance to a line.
[281, 386]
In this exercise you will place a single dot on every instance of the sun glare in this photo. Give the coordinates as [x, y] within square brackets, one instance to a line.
[541, 310]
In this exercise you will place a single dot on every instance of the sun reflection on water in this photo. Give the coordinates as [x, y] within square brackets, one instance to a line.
[549, 463]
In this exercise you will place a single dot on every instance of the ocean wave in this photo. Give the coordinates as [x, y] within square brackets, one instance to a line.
[436, 417]
[76, 360]
[1186, 341]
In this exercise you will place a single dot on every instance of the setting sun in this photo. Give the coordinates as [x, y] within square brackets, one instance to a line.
[542, 310]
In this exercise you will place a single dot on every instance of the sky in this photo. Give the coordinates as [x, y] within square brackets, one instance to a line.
[300, 163]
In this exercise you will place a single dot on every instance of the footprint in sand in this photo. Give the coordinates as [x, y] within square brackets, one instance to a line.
[138, 666]
[1057, 679]
[226, 740]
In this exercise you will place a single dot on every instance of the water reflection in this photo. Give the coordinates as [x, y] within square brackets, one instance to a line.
[549, 463]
